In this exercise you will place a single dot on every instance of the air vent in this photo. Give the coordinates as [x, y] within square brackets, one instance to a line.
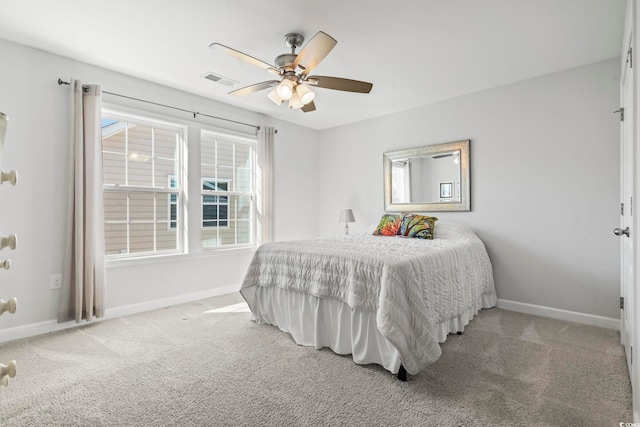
[219, 79]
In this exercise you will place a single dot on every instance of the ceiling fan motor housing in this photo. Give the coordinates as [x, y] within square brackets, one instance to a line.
[285, 61]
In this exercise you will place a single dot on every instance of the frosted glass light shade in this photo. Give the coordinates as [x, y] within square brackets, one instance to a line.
[295, 102]
[306, 94]
[285, 89]
[273, 95]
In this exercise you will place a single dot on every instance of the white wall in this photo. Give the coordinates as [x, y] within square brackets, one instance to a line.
[37, 146]
[544, 180]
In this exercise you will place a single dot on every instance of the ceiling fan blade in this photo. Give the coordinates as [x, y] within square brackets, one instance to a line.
[314, 51]
[244, 57]
[309, 107]
[338, 83]
[254, 88]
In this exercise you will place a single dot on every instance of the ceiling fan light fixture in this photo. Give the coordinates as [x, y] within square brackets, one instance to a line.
[273, 95]
[294, 81]
[285, 89]
[306, 95]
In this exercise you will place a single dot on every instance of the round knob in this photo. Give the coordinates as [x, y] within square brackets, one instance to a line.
[8, 369]
[10, 241]
[6, 264]
[621, 232]
[11, 177]
[8, 306]
[13, 304]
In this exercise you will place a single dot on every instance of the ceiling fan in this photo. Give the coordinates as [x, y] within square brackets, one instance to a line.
[293, 70]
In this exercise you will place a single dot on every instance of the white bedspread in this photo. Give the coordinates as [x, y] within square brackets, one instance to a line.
[411, 284]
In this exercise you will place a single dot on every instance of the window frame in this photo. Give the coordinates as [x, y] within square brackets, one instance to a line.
[251, 143]
[155, 191]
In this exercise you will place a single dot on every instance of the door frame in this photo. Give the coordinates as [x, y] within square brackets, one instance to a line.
[630, 36]
[628, 258]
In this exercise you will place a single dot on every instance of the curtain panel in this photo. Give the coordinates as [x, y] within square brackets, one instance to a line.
[84, 277]
[265, 185]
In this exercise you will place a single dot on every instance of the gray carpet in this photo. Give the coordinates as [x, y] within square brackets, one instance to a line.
[206, 364]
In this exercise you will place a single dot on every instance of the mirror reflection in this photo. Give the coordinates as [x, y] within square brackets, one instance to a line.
[426, 179]
[430, 178]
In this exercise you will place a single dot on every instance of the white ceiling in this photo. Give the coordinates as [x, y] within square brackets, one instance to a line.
[415, 52]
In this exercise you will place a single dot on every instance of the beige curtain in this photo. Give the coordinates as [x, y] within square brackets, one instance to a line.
[265, 185]
[83, 280]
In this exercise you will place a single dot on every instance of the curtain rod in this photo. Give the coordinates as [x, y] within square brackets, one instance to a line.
[195, 113]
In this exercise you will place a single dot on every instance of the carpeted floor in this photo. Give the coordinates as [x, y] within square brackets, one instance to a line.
[206, 364]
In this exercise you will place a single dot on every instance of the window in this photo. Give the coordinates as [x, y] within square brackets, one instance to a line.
[227, 192]
[143, 196]
[215, 209]
[173, 203]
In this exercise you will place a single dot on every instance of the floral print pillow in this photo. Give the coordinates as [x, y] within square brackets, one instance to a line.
[388, 225]
[418, 226]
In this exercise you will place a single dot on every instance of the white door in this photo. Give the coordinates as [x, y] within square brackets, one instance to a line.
[626, 231]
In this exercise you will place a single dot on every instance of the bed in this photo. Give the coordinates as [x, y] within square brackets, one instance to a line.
[389, 300]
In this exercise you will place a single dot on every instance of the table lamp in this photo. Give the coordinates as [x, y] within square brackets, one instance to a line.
[346, 216]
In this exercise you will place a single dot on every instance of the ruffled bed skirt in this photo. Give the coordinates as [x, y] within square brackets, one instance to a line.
[323, 322]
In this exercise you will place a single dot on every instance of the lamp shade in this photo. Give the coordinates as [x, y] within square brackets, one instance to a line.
[346, 215]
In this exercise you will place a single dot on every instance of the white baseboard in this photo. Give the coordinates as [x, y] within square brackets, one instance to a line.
[111, 313]
[33, 329]
[166, 302]
[557, 313]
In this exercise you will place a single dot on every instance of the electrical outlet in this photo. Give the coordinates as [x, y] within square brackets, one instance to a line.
[56, 281]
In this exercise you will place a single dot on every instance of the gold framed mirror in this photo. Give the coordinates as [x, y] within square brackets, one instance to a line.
[433, 178]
